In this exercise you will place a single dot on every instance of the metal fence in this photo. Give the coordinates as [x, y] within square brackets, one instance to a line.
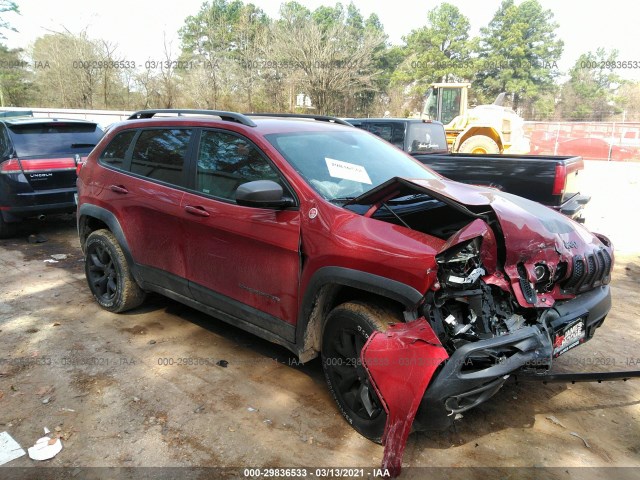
[102, 117]
[613, 141]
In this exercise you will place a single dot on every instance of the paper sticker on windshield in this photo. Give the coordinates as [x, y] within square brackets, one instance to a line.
[347, 171]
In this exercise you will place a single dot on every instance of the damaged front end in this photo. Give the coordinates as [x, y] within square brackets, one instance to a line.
[516, 284]
[490, 334]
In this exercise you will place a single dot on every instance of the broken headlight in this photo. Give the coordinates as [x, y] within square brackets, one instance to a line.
[460, 266]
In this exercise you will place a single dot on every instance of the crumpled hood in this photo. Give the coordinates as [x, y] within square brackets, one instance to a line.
[532, 233]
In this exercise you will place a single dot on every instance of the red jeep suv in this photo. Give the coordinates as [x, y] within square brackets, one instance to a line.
[317, 236]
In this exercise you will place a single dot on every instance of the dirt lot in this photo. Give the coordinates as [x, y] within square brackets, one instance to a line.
[142, 389]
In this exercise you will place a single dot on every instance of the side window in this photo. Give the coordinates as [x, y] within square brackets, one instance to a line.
[360, 125]
[5, 150]
[392, 132]
[226, 161]
[383, 130]
[450, 104]
[160, 154]
[116, 151]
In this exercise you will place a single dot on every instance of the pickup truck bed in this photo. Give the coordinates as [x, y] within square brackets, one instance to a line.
[550, 180]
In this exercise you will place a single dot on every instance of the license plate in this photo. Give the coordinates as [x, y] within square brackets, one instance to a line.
[568, 336]
[75, 198]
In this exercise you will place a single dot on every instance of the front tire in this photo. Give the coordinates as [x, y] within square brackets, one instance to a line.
[108, 273]
[347, 329]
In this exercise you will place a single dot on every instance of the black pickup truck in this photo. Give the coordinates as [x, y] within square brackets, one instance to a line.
[550, 180]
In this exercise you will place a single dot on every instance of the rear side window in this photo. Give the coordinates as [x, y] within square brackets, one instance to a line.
[360, 125]
[160, 154]
[5, 150]
[392, 132]
[116, 151]
[54, 138]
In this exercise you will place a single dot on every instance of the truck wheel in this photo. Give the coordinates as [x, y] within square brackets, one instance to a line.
[347, 329]
[7, 230]
[479, 144]
[108, 273]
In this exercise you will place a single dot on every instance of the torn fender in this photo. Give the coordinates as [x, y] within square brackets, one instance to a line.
[400, 363]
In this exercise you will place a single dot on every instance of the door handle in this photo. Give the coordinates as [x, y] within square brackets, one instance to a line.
[200, 211]
[118, 189]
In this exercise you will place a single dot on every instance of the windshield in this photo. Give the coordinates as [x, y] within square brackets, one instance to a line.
[345, 164]
[59, 138]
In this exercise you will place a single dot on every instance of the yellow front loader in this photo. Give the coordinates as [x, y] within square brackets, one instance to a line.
[483, 129]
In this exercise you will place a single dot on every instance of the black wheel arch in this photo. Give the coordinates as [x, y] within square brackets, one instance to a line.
[91, 218]
[331, 286]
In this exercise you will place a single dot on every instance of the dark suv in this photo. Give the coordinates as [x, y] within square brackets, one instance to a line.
[318, 236]
[38, 160]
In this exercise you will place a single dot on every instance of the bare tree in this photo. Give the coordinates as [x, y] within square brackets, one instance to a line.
[167, 76]
[110, 71]
[72, 70]
[148, 85]
[333, 64]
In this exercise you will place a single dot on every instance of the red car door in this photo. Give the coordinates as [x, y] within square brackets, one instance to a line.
[244, 261]
[150, 200]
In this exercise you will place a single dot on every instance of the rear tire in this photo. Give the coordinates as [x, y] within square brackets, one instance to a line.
[108, 273]
[347, 329]
[479, 144]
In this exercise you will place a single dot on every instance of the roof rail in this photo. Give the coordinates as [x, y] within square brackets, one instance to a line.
[226, 116]
[320, 118]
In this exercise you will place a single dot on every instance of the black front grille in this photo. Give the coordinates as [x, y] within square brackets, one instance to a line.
[577, 273]
[591, 270]
[588, 272]
[607, 262]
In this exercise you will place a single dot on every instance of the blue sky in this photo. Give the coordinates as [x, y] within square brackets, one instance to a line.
[139, 27]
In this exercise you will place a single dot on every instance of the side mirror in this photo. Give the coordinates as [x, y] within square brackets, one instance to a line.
[262, 194]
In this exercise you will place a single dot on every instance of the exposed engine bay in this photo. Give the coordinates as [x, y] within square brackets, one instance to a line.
[465, 308]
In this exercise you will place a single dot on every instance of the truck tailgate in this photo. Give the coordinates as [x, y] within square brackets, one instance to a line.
[550, 180]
